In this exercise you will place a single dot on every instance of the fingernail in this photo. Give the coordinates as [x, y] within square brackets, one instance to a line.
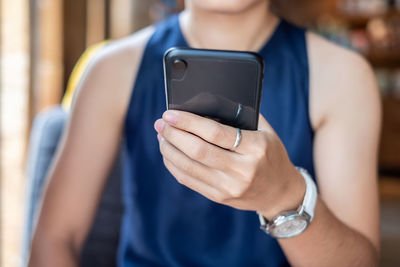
[170, 117]
[159, 137]
[159, 125]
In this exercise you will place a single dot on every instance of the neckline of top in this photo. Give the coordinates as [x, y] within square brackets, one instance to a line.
[273, 38]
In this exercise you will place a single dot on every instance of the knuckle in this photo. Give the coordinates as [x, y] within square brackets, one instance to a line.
[187, 168]
[260, 147]
[252, 172]
[248, 174]
[247, 180]
[184, 123]
[200, 152]
[221, 198]
[237, 191]
[217, 133]
[166, 132]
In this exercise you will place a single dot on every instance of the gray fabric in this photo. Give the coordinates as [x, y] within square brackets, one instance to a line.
[46, 132]
[102, 241]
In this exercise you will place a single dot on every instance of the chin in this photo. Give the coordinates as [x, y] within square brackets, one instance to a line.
[226, 6]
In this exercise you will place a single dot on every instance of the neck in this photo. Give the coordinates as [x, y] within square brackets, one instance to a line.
[248, 30]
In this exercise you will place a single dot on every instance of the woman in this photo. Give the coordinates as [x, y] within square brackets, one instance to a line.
[320, 111]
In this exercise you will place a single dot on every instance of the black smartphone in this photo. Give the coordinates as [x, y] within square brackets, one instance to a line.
[223, 85]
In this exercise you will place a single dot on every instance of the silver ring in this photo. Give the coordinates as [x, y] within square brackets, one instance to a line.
[238, 138]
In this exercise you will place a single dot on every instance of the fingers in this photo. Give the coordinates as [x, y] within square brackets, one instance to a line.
[189, 167]
[211, 131]
[196, 148]
[214, 185]
[194, 184]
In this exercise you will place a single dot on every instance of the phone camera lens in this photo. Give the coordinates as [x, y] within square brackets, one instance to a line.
[179, 64]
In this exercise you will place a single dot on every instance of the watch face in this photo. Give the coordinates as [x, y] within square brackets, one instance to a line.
[288, 225]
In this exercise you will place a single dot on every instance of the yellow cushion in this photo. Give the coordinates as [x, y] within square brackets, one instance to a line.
[77, 73]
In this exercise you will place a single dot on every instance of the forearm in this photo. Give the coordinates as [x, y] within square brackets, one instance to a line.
[49, 252]
[329, 242]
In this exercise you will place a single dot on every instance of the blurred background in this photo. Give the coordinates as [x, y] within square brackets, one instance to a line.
[41, 41]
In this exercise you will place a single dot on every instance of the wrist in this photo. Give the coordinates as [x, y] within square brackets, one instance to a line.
[290, 195]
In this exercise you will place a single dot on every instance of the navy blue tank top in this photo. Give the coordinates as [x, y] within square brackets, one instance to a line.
[167, 224]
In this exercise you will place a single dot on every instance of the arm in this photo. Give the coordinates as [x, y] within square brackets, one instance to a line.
[86, 154]
[346, 114]
[258, 174]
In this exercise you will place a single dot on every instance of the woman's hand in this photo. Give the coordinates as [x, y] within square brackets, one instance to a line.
[257, 175]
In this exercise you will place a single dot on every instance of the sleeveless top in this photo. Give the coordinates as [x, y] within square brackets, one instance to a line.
[166, 223]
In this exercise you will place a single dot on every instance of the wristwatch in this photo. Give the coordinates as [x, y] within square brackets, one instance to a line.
[292, 223]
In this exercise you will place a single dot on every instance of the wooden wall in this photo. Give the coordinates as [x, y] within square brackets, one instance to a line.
[60, 32]
[46, 54]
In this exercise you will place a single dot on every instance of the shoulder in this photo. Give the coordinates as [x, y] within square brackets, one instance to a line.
[322, 51]
[120, 57]
[112, 71]
[341, 82]
[125, 49]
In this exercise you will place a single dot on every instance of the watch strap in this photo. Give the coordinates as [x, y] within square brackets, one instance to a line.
[309, 201]
[310, 197]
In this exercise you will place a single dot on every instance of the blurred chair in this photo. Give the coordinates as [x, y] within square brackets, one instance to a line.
[101, 244]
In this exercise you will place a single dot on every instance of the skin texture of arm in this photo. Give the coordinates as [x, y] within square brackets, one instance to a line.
[86, 153]
[258, 175]
[345, 111]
